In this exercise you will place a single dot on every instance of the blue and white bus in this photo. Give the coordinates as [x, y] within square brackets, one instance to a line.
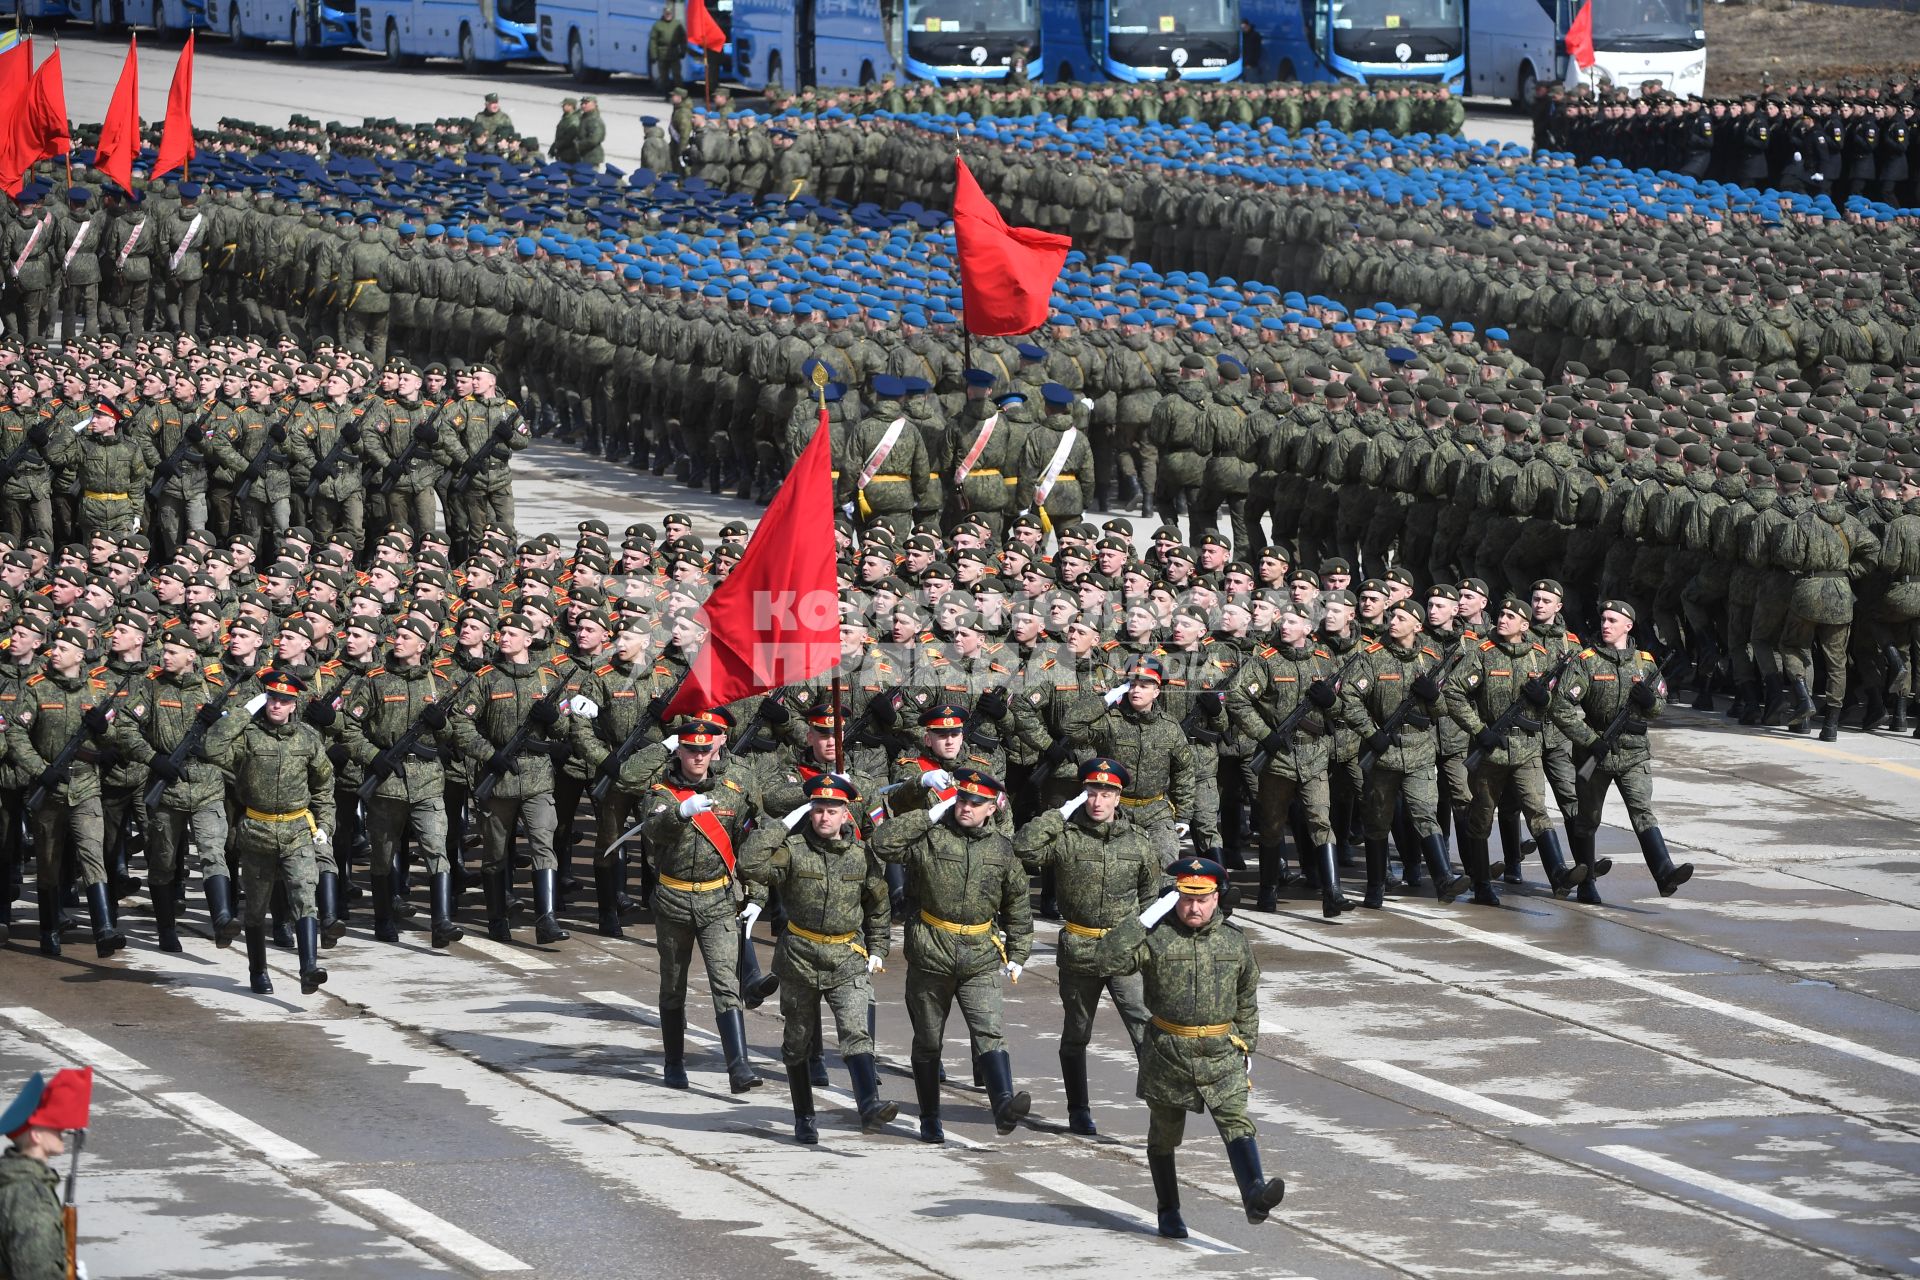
[1135, 40]
[1363, 40]
[971, 39]
[826, 43]
[1513, 45]
[307, 25]
[593, 39]
[477, 33]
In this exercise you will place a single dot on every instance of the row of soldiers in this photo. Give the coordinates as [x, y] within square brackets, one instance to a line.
[1840, 146]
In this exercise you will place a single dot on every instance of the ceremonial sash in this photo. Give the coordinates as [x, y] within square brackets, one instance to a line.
[132, 240]
[1055, 466]
[32, 240]
[79, 238]
[708, 824]
[186, 243]
[973, 454]
[878, 457]
[927, 766]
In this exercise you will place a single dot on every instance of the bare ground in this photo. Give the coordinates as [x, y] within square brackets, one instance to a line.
[1824, 42]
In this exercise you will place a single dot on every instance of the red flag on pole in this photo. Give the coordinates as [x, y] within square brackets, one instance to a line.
[120, 129]
[775, 620]
[68, 1100]
[48, 101]
[1580, 37]
[702, 31]
[1006, 273]
[176, 136]
[16, 84]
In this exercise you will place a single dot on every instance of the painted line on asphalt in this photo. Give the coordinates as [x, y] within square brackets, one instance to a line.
[77, 1043]
[846, 1102]
[233, 1124]
[1061, 1185]
[1850, 757]
[1665, 987]
[419, 1225]
[1764, 1201]
[506, 955]
[1428, 1086]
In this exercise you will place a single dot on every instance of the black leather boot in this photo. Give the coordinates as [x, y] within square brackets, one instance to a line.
[326, 899]
[546, 928]
[1800, 706]
[49, 924]
[805, 1131]
[166, 932]
[1073, 1074]
[1510, 846]
[1009, 1108]
[1897, 723]
[1774, 715]
[1477, 858]
[306, 932]
[1259, 1195]
[733, 1041]
[445, 931]
[1653, 846]
[383, 927]
[1447, 885]
[1166, 1196]
[1830, 725]
[281, 911]
[755, 986]
[1332, 901]
[1581, 844]
[106, 938]
[1553, 857]
[1376, 875]
[876, 1113]
[257, 976]
[219, 893]
[926, 1087]
[1273, 871]
[493, 881]
[673, 1045]
[605, 899]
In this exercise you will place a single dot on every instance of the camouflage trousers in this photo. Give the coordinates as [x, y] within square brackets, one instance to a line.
[931, 997]
[168, 833]
[717, 934]
[1167, 1126]
[497, 823]
[800, 1012]
[1635, 784]
[269, 857]
[1799, 637]
[1521, 785]
[1080, 993]
[62, 831]
[1274, 807]
[1387, 788]
[393, 821]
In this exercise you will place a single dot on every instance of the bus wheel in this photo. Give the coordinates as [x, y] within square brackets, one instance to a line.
[297, 35]
[1285, 71]
[1529, 84]
[866, 74]
[235, 35]
[469, 56]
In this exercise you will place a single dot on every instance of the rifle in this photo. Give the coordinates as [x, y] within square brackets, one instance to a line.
[424, 436]
[507, 759]
[189, 746]
[470, 469]
[256, 465]
[389, 761]
[1516, 714]
[64, 761]
[349, 436]
[70, 1212]
[1404, 712]
[170, 465]
[1621, 719]
[609, 771]
[1302, 708]
[12, 461]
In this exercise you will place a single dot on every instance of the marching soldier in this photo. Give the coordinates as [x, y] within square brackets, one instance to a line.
[1162, 779]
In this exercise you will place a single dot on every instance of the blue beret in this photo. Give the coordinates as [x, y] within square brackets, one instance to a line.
[888, 387]
[979, 378]
[1056, 395]
[1030, 352]
[1498, 335]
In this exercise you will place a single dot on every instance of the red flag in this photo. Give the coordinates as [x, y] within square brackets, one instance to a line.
[67, 1100]
[16, 80]
[48, 103]
[702, 31]
[1580, 36]
[176, 136]
[1006, 273]
[120, 129]
[775, 620]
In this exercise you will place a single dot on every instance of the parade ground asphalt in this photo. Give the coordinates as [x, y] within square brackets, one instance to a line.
[1725, 1083]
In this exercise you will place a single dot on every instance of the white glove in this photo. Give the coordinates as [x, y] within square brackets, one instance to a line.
[695, 804]
[936, 779]
[798, 816]
[321, 836]
[1072, 806]
[1180, 830]
[671, 742]
[747, 917]
[875, 964]
[1014, 971]
[581, 705]
[1115, 694]
[256, 702]
[1154, 914]
[939, 811]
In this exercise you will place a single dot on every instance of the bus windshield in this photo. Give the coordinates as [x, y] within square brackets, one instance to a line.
[979, 33]
[1648, 24]
[975, 17]
[1397, 31]
[1190, 34]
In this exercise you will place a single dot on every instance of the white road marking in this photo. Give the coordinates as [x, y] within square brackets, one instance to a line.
[419, 1225]
[1761, 1200]
[232, 1123]
[77, 1043]
[505, 954]
[1665, 987]
[1060, 1184]
[907, 1122]
[1427, 1085]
